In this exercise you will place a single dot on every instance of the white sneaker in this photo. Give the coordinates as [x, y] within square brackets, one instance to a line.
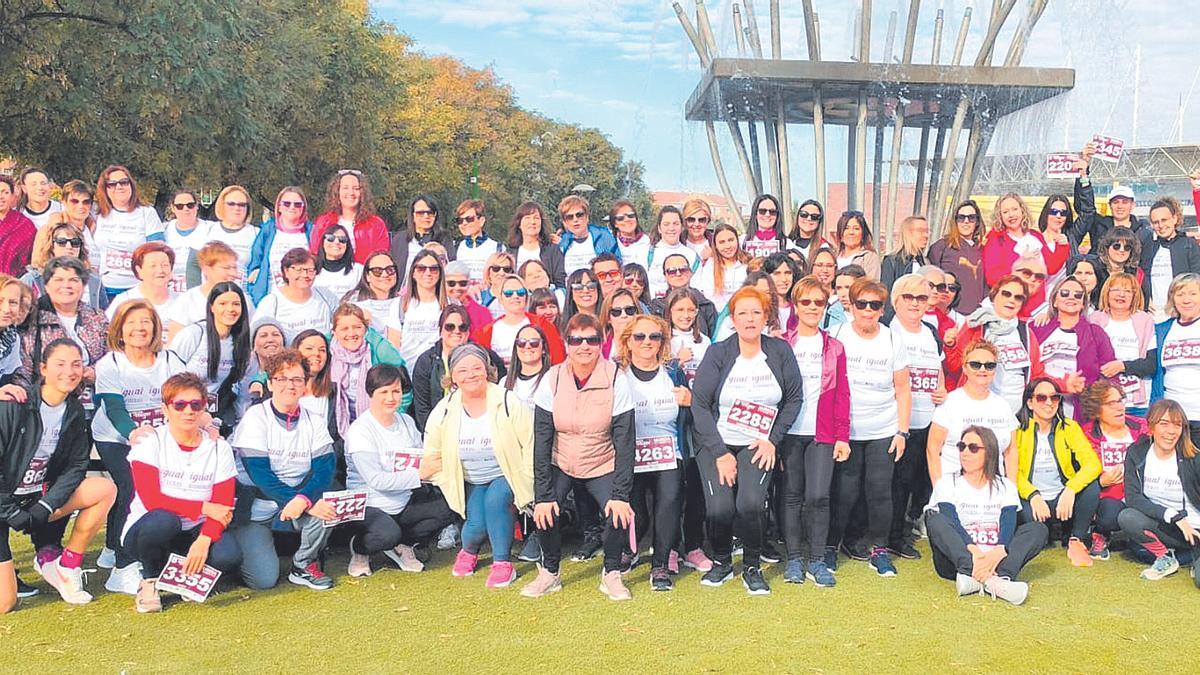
[108, 560]
[967, 585]
[127, 579]
[1005, 589]
[405, 558]
[68, 582]
[448, 539]
[360, 564]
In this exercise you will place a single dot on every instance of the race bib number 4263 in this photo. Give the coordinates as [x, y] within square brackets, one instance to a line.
[195, 587]
[347, 504]
[754, 419]
[656, 453]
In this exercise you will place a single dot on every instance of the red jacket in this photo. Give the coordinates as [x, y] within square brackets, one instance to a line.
[953, 358]
[16, 242]
[1137, 429]
[558, 352]
[999, 256]
[370, 236]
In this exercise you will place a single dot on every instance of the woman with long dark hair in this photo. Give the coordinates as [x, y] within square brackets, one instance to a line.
[336, 270]
[529, 239]
[218, 349]
[765, 236]
[959, 252]
[424, 226]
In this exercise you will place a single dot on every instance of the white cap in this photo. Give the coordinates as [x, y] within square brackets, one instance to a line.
[1121, 191]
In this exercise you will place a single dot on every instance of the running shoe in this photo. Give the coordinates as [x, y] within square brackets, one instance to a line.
[856, 551]
[501, 574]
[1078, 554]
[831, 559]
[752, 579]
[966, 584]
[881, 562]
[127, 579]
[405, 558]
[147, 599]
[67, 581]
[768, 553]
[1007, 590]
[24, 590]
[464, 564]
[718, 575]
[697, 560]
[1099, 549]
[1164, 566]
[794, 572]
[918, 529]
[820, 575]
[906, 550]
[310, 576]
[545, 582]
[108, 560]
[673, 562]
[613, 586]
[448, 538]
[589, 548]
[660, 579]
[629, 561]
[531, 551]
[360, 563]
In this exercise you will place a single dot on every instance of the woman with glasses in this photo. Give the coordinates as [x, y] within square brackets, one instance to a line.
[973, 403]
[16, 231]
[583, 440]
[63, 239]
[420, 306]
[765, 236]
[217, 348]
[458, 292]
[424, 227]
[122, 224]
[218, 264]
[152, 263]
[619, 309]
[1055, 216]
[78, 209]
[583, 296]
[806, 235]
[234, 228]
[336, 270]
[1130, 329]
[697, 215]
[1057, 468]
[529, 242]
[183, 482]
[580, 241]
[633, 244]
[972, 523]
[1162, 491]
[666, 239]
[349, 203]
[288, 228]
[531, 361]
[378, 293]
[1011, 238]
[496, 269]
[959, 252]
[908, 257]
[1166, 255]
[185, 233]
[1177, 376]
[475, 247]
[1073, 348]
[855, 246]
[500, 335]
[296, 304]
[1111, 431]
[635, 278]
[938, 313]
[1120, 250]
[726, 267]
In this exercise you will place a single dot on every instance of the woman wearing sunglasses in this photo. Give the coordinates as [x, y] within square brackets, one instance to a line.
[972, 523]
[726, 267]
[421, 304]
[217, 349]
[1130, 329]
[500, 335]
[1111, 431]
[1057, 468]
[855, 245]
[475, 247]
[297, 305]
[747, 393]
[336, 270]
[123, 223]
[288, 228]
[1166, 255]
[424, 226]
[697, 216]
[63, 239]
[619, 309]
[1056, 215]
[959, 251]
[1073, 348]
[496, 269]
[234, 227]
[349, 203]
[1011, 237]
[908, 257]
[184, 480]
[765, 236]
[17, 231]
[1177, 376]
[583, 440]
[939, 313]
[806, 236]
[185, 233]
[583, 296]
[633, 244]
[667, 240]
[378, 293]
[998, 322]
[531, 361]
[635, 278]
[1120, 250]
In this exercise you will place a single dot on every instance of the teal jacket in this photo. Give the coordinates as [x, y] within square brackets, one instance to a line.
[260, 259]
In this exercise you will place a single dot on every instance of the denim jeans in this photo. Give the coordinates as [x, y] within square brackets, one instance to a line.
[490, 516]
[260, 562]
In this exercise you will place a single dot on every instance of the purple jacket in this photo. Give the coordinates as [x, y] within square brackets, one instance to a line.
[1095, 349]
[833, 405]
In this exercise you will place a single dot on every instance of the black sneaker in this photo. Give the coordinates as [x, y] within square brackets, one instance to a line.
[754, 582]
[768, 553]
[532, 550]
[310, 576]
[856, 551]
[629, 561]
[718, 575]
[24, 590]
[905, 550]
[831, 559]
[660, 579]
[589, 548]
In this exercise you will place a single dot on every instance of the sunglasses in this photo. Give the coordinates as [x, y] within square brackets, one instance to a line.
[767, 212]
[1052, 398]
[622, 217]
[124, 182]
[1030, 274]
[982, 365]
[455, 327]
[386, 271]
[586, 286]
[1019, 297]
[940, 288]
[809, 302]
[424, 212]
[457, 283]
[954, 288]
[873, 305]
[966, 218]
[237, 205]
[576, 340]
[909, 297]
[178, 207]
[973, 447]
[196, 404]
[574, 216]
[337, 239]
[613, 274]
[514, 292]
[1071, 295]
[805, 215]
[616, 312]
[74, 242]
[642, 337]
[466, 219]
[696, 220]
[631, 280]
[1062, 213]
[1121, 245]
[426, 268]
[676, 271]
[349, 172]
[289, 204]
[531, 343]
[500, 268]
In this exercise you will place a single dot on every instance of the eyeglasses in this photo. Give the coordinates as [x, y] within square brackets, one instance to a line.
[642, 337]
[289, 204]
[122, 182]
[1030, 274]
[940, 288]
[337, 238]
[954, 288]
[576, 340]
[1052, 398]
[909, 297]
[696, 220]
[465, 219]
[1121, 245]
[1062, 213]
[73, 242]
[455, 327]
[1116, 402]
[676, 271]
[293, 381]
[767, 212]
[609, 275]
[514, 292]
[1070, 295]
[196, 404]
[966, 218]
[873, 305]
[531, 343]
[237, 205]
[622, 217]
[500, 268]
[805, 215]
[616, 312]
[982, 365]
[424, 212]
[973, 447]
[187, 206]
[426, 268]
[586, 286]
[457, 283]
[385, 271]
[567, 217]
[88, 202]
[1019, 297]
[306, 271]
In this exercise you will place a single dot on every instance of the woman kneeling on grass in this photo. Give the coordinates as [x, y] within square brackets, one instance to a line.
[972, 524]
[183, 490]
[1162, 491]
[483, 435]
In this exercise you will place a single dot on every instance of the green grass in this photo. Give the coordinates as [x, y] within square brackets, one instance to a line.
[1102, 619]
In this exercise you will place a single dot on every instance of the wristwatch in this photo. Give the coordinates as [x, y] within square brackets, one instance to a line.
[902, 434]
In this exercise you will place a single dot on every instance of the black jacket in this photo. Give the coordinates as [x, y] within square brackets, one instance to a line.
[1135, 474]
[1185, 257]
[20, 432]
[706, 313]
[399, 249]
[552, 259]
[427, 376]
[894, 266]
[1088, 221]
[711, 376]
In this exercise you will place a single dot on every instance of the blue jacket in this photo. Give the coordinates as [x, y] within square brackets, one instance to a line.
[1157, 386]
[260, 259]
[602, 240]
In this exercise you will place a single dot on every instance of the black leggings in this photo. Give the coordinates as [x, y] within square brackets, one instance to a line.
[745, 501]
[807, 479]
[693, 506]
[600, 489]
[908, 479]
[1106, 516]
[116, 462]
[667, 488]
[1086, 503]
[867, 474]
[951, 557]
[425, 514]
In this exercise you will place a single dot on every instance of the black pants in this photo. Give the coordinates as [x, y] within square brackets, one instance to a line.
[590, 521]
[116, 462]
[159, 533]
[1136, 524]
[1086, 503]
[907, 483]
[600, 489]
[667, 490]
[745, 502]
[808, 477]
[693, 506]
[867, 474]
[951, 557]
[1106, 516]
[424, 516]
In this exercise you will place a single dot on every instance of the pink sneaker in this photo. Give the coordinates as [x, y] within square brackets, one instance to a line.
[502, 575]
[673, 562]
[696, 560]
[464, 564]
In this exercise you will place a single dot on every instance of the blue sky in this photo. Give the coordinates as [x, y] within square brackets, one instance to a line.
[627, 68]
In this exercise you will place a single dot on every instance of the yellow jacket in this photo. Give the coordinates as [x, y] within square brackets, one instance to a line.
[512, 440]
[1078, 462]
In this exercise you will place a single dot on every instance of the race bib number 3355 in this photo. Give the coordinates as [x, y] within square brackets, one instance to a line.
[195, 587]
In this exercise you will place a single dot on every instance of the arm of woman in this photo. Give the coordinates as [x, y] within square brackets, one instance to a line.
[841, 401]
[705, 390]
[1086, 458]
[934, 441]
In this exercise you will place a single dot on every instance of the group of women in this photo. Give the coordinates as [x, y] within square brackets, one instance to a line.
[714, 394]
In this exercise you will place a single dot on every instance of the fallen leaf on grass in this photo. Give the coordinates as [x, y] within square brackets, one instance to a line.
[401, 609]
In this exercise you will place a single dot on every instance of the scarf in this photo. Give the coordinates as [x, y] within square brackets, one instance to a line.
[8, 340]
[765, 235]
[473, 242]
[342, 362]
[292, 229]
[993, 325]
[630, 241]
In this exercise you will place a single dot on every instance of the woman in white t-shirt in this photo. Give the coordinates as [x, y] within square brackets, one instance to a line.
[152, 265]
[233, 227]
[185, 234]
[297, 305]
[1162, 490]
[505, 328]
[122, 224]
[725, 270]
[378, 293]
[184, 480]
[973, 403]
[666, 238]
[531, 352]
[633, 243]
[688, 344]
[218, 349]
[336, 270]
[1178, 375]
[421, 306]
[318, 396]
[877, 366]
[972, 523]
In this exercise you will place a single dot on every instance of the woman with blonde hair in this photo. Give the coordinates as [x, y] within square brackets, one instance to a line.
[233, 209]
[697, 216]
[1012, 236]
[289, 227]
[123, 223]
[1130, 329]
[908, 257]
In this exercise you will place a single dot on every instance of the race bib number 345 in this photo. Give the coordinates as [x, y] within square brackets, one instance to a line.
[754, 419]
[195, 587]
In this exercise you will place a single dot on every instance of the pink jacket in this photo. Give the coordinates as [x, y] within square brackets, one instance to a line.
[833, 405]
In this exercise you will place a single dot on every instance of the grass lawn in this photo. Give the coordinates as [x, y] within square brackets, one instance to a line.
[1103, 619]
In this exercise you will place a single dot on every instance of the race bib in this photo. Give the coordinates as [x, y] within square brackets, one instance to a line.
[983, 534]
[656, 453]
[1112, 454]
[1014, 357]
[689, 372]
[1061, 165]
[348, 504]
[923, 380]
[758, 248]
[1051, 350]
[1181, 352]
[753, 419]
[195, 587]
[34, 478]
[177, 284]
[1108, 148]
[212, 403]
[1131, 386]
[85, 397]
[147, 418]
[406, 458]
[118, 261]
